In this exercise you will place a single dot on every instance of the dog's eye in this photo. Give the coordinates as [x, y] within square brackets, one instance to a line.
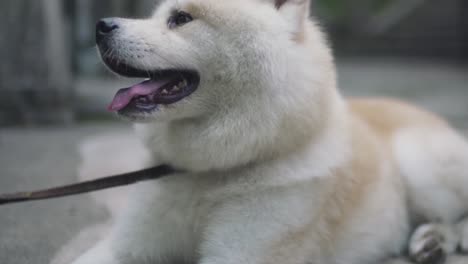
[178, 19]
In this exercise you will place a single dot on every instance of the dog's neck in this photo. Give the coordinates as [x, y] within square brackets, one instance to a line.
[224, 144]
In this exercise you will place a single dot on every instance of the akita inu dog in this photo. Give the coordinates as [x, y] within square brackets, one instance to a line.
[280, 168]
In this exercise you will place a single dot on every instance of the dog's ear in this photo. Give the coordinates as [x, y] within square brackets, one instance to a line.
[295, 11]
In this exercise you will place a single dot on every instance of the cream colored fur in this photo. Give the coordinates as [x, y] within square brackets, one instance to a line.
[281, 169]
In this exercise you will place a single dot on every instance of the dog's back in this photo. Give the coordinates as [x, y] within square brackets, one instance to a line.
[430, 155]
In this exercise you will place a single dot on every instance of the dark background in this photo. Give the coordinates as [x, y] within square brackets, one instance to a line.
[47, 46]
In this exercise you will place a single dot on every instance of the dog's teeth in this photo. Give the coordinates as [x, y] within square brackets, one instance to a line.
[184, 83]
[164, 91]
[176, 88]
[143, 100]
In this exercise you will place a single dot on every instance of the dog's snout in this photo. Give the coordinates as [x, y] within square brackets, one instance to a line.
[105, 27]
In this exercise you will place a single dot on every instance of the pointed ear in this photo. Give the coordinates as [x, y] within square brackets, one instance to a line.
[295, 11]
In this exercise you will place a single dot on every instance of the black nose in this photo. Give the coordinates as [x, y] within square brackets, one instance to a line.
[105, 27]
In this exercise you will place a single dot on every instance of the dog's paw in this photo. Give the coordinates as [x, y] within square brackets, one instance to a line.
[432, 243]
[429, 251]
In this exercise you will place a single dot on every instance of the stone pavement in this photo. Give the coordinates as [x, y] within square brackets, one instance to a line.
[40, 157]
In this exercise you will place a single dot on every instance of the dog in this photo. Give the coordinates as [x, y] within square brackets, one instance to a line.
[278, 166]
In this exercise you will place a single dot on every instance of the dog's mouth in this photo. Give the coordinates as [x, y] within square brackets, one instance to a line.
[164, 87]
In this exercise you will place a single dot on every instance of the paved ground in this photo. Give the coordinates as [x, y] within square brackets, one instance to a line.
[41, 157]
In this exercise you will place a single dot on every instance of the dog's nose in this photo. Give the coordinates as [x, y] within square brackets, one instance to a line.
[105, 27]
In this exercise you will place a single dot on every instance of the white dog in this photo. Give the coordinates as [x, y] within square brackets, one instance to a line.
[280, 168]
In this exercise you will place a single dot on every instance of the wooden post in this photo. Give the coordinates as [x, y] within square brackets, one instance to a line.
[35, 75]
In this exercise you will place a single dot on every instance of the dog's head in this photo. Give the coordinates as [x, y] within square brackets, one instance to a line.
[244, 66]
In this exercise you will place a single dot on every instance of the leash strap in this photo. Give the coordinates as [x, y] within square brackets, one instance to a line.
[90, 186]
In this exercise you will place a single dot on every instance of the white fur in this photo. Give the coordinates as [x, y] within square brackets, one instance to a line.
[261, 139]
[434, 163]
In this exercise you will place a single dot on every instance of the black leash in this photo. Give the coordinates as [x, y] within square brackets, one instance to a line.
[90, 186]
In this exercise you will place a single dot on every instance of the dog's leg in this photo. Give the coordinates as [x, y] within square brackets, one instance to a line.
[158, 224]
[151, 229]
[434, 163]
[432, 243]
[242, 231]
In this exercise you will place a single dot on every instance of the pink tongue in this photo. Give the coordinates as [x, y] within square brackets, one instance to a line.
[125, 96]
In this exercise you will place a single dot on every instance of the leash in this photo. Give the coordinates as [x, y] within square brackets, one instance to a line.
[90, 186]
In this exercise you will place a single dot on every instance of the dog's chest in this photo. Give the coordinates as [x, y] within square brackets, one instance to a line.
[170, 216]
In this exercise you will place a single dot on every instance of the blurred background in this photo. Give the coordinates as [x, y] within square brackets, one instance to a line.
[50, 74]
[54, 91]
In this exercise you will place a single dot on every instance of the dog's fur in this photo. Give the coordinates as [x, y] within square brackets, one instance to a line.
[281, 169]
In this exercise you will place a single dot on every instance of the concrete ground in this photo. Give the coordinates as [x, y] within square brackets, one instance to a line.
[39, 158]
[35, 158]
